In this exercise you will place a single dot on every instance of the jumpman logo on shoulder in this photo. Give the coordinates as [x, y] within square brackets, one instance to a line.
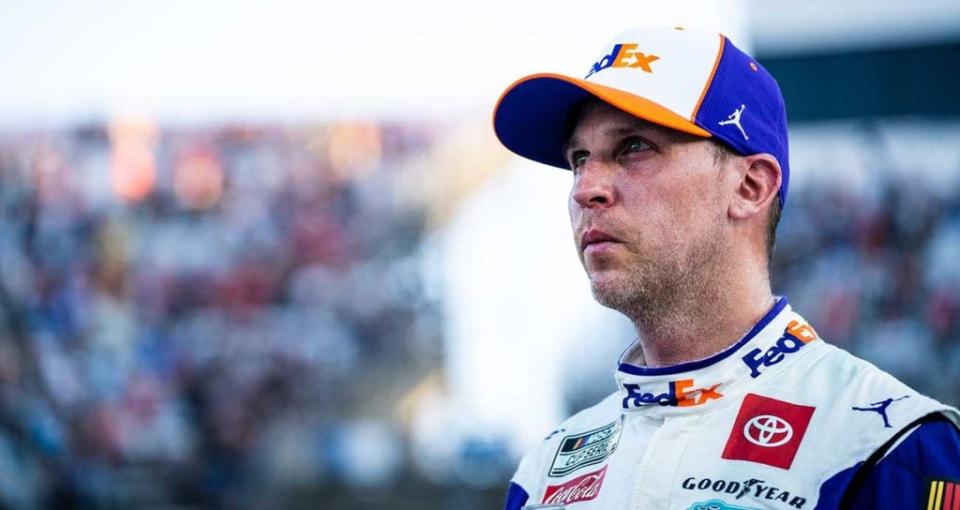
[734, 118]
[881, 408]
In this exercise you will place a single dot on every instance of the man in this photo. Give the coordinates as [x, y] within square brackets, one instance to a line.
[677, 142]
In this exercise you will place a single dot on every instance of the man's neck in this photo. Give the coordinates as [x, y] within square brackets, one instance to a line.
[699, 326]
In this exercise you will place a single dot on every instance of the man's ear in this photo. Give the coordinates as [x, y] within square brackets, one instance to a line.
[759, 184]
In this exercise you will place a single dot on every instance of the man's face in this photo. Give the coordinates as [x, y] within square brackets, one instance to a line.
[647, 209]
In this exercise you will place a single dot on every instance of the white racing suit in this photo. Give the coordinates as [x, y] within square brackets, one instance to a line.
[779, 420]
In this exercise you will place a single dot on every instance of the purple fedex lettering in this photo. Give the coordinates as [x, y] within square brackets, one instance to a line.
[681, 393]
[624, 55]
[606, 61]
[756, 358]
[794, 337]
[641, 399]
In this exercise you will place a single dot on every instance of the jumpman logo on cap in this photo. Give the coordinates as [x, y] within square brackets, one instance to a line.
[734, 118]
[881, 408]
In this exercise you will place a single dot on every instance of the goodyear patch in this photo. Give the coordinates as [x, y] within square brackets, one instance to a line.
[586, 449]
[942, 494]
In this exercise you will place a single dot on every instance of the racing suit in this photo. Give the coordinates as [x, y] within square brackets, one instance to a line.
[780, 419]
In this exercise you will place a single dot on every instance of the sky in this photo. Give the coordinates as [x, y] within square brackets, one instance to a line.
[202, 60]
[189, 61]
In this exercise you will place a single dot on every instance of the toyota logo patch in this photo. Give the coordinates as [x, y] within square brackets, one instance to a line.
[767, 431]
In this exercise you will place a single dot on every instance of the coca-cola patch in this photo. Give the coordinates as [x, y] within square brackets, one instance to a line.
[582, 488]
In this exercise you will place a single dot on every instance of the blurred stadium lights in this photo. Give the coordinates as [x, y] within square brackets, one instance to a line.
[133, 172]
[198, 179]
[354, 147]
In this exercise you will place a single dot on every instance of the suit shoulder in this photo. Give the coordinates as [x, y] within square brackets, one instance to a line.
[839, 368]
[862, 405]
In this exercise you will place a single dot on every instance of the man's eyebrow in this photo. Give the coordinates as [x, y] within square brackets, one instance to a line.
[572, 142]
[614, 132]
[624, 130]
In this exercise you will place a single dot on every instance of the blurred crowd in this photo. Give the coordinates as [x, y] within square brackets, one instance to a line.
[184, 313]
[224, 317]
[877, 271]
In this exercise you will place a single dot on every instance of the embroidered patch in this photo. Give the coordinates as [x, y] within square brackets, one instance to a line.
[581, 488]
[767, 431]
[586, 449]
[795, 336]
[942, 494]
[750, 488]
[881, 408]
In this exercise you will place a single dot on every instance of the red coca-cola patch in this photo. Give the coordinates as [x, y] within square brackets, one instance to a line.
[581, 488]
[767, 431]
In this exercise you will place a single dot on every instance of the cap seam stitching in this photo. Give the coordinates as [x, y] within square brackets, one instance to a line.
[707, 85]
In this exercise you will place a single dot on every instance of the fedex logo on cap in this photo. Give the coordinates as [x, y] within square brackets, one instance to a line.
[624, 55]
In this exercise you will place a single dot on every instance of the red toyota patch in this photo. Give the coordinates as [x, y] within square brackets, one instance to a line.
[581, 488]
[767, 431]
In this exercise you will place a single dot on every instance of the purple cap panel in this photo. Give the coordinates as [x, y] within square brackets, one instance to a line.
[744, 108]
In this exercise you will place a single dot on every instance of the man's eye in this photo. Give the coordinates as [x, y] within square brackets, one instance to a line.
[635, 145]
[578, 159]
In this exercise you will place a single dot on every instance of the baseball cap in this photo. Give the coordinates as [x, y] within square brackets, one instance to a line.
[692, 81]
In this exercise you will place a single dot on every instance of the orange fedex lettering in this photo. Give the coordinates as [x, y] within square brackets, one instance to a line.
[686, 398]
[629, 57]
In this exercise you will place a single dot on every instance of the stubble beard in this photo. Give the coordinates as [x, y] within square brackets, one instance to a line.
[665, 295]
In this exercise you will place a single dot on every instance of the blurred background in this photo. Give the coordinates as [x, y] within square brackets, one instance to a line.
[269, 255]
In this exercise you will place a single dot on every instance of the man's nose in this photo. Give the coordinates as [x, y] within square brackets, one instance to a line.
[594, 186]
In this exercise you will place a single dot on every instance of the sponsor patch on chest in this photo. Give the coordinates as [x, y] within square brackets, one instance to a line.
[795, 336]
[581, 488]
[942, 494]
[750, 488]
[586, 449]
[767, 431]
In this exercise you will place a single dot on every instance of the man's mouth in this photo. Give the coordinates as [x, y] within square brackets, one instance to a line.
[596, 239]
